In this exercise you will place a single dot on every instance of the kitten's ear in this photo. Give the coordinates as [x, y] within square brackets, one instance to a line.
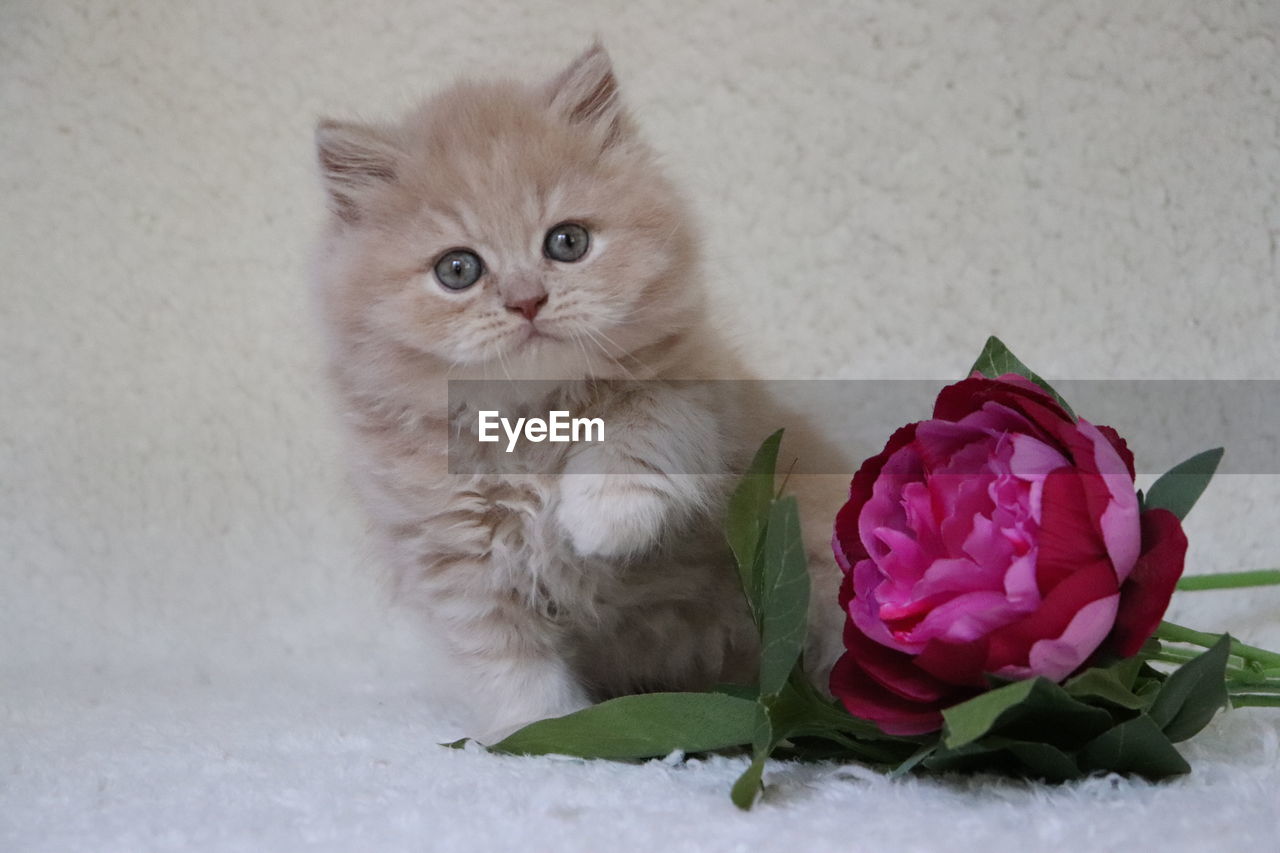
[354, 159]
[587, 93]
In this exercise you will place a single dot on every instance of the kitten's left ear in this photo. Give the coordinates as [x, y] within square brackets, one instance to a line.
[586, 93]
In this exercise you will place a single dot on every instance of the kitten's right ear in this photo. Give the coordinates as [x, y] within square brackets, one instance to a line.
[354, 159]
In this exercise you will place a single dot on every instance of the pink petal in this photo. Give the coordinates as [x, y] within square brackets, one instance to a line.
[1020, 583]
[958, 575]
[987, 545]
[1119, 522]
[1032, 459]
[1058, 657]
[965, 618]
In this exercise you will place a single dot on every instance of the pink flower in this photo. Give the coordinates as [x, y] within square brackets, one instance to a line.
[999, 538]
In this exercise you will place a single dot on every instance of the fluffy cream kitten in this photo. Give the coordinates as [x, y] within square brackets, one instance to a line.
[511, 231]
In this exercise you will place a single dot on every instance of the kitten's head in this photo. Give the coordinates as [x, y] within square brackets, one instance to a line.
[508, 230]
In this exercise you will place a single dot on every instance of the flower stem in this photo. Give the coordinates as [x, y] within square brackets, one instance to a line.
[1245, 687]
[1239, 673]
[1255, 701]
[1178, 634]
[1231, 580]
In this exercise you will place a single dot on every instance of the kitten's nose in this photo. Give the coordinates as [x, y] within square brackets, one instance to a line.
[528, 307]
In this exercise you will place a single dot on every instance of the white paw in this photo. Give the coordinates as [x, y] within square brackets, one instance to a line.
[541, 695]
[611, 516]
[500, 734]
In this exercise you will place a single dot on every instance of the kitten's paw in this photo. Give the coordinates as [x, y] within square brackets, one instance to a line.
[543, 693]
[611, 516]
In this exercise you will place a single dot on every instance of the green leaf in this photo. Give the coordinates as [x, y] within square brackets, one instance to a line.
[784, 596]
[1136, 746]
[751, 782]
[1111, 685]
[1008, 756]
[1193, 693]
[647, 725]
[996, 359]
[911, 761]
[1033, 709]
[748, 515]
[742, 691]
[795, 712]
[1180, 488]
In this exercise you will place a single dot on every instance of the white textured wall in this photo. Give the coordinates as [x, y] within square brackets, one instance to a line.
[882, 185]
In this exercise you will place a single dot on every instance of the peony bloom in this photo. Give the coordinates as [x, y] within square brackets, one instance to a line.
[999, 538]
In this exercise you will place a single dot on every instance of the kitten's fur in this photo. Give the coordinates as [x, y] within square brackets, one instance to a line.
[552, 591]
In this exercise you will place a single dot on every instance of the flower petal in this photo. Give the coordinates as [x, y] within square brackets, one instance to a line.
[1121, 448]
[1145, 595]
[1058, 657]
[965, 618]
[1011, 644]
[844, 541]
[1119, 521]
[963, 664]
[893, 670]
[1068, 536]
[866, 698]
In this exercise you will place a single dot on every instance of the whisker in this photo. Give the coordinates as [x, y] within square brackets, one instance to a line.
[502, 360]
[588, 366]
[607, 354]
[620, 350]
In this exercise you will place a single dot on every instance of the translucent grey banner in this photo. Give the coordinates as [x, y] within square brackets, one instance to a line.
[711, 427]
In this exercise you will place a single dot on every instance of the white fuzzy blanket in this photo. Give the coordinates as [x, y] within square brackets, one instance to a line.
[193, 652]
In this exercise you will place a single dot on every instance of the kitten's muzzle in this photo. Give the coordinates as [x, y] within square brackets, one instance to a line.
[529, 306]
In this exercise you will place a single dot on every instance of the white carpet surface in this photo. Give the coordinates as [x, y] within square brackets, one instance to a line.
[194, 654]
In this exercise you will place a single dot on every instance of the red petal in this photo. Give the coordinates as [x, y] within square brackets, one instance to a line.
[957, 400]
[1069, 535]
[1089, 582]
[892, 669]
[1120, 445]
[864, 697]
[956, 663]
[1145, 595]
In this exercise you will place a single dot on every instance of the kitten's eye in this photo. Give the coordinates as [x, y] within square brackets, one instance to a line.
[459, 269]
[567, 242]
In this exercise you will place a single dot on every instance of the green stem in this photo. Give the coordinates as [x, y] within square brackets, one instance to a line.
[1179, 634]
[1253, 687]
[1249, 675]
[1231, 580]
[1255, 701]
[1171, 655]
[1237, 671]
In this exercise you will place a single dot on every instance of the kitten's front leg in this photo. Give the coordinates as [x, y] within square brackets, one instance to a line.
[657, 466]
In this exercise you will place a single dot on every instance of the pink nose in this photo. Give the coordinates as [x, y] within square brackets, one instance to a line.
[528, 307]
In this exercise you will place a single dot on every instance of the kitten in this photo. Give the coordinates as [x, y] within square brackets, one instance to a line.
[509, 231]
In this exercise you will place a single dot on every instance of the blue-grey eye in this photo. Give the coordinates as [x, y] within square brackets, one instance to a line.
[567, 242]
[459, 269]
